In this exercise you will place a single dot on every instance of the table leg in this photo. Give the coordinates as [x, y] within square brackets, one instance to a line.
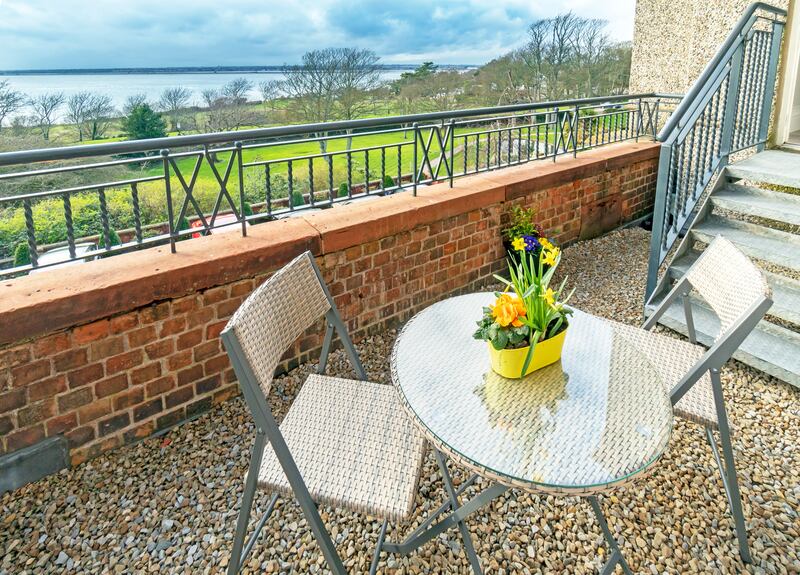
[615, 556]
[462, 527]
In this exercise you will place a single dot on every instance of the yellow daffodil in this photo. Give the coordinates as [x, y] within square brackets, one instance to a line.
[549, 296]
[546, 243]
[550, 256]
[518, 244]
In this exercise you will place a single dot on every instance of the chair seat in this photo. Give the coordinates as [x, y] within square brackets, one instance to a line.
[673, 358]
[353, 445]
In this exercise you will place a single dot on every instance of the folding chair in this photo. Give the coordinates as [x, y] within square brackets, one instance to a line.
[737, 292]
[344, 443]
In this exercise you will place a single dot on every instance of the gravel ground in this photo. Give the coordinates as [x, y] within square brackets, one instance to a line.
[169, 504]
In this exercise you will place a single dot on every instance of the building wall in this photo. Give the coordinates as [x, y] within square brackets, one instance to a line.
[673, 40]
[113, 351]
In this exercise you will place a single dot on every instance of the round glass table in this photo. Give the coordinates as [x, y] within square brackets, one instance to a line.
[592, 421]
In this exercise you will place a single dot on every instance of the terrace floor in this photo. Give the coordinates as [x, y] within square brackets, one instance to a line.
[169, 504]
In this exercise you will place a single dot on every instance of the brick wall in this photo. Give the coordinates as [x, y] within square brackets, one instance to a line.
[113, 351]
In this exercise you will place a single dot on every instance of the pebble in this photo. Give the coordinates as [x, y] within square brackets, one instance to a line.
[169, 504]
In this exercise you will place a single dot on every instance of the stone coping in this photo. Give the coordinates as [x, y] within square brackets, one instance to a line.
[74, 295]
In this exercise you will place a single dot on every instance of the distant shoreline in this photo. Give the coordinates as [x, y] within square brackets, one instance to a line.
[194, 70]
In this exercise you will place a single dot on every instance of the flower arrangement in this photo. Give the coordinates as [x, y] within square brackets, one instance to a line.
[530, 311]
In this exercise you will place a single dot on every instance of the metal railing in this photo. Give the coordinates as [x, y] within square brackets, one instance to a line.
[198, 184]
[726, 111]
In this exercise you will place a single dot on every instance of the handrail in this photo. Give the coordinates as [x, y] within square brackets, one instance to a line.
[139, 146]
[726, 110]
[719, 60]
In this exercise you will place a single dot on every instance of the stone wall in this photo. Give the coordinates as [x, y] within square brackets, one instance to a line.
[673, 40]
[115, 350]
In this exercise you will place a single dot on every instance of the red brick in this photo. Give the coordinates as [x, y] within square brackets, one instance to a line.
[36, 412]
[216, 365]
[207, 350]
[11, 400]
[179, 360]
[179, 396]
[47, 388]
[206, 385]
[51, 345]
[111, 385]
[95, 410]
[189, 375]
[155, 312]
[160, 386]
[189, 339]
[106, 348]
[6, 425]
[139, 432]
[216, 295]
[24, 438]
[172, 326]
[74, 399]
[69, 360]
[128, 399]
[25, 374]
[14, 357]
[213, 330]
[185, 304]
[145, 410]
[159, 349]
[242, 288]
[79, 436]
[141, 336]
[123, 323]
[85, 375]
[113, 423]
[124, 361]
[90, 332]
[226, 308]
[145, 373]
[61, 424]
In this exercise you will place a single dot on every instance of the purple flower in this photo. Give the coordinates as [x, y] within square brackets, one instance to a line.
[531, 243]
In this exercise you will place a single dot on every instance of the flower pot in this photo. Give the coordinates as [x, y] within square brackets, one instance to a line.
[509, 362]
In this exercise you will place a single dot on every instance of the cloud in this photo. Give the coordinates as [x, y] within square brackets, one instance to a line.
[116, 33]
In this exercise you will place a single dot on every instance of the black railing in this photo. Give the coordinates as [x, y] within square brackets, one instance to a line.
[81, 202]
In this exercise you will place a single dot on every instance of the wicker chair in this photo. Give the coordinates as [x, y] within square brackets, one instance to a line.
[737, 292]
[344, 443]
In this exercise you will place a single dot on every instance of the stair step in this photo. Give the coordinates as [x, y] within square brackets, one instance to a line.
[776, 167]
[760, 242]
[757, 202]
[785, 291]
[769, 348]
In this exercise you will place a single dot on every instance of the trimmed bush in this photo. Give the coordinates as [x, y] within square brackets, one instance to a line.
[247, 209]
[22, 256]
[344, 190]
[388, 182]
[298, 199]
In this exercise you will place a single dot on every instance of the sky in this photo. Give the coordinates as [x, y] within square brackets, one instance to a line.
[37, 34]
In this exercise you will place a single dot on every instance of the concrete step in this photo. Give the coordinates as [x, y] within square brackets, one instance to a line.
[785, 291]
[776, 167]
[761, 203]
[769, 348]
[760, 242]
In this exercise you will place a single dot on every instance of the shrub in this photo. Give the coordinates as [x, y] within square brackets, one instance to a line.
[143, 123]
[388, 182]
[344, 190]
[113, 239]
[298, 199]
[22, 256]
[247, 209]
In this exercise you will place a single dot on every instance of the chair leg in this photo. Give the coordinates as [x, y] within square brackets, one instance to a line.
[615, 555]
[727, 469]
[250, 486]
[374, 567]
[462, 527]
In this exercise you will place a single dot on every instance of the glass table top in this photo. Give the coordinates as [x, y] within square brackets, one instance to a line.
[595, 419]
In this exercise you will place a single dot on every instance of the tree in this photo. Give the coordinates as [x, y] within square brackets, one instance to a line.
[45, 108]
[90, 114]
[173, 101]
[236, 91]
[10, 100]
[143, 123]
[270, 91]
[132, 101]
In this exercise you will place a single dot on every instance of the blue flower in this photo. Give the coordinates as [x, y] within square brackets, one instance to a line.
[531, 243]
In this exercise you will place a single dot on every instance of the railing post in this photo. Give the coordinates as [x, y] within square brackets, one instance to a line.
[30, 230]
[239, 165]
[769, 86]
[168, 189]
[452, 149]
[575, 133]
[416, 159]
[731, 99]
[659, 212]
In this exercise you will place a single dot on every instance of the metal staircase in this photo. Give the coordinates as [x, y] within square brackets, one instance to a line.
[706, 189]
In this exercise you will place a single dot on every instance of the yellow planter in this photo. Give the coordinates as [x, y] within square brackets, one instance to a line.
[508, 362]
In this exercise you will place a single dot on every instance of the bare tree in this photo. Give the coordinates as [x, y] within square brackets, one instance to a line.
[90, 113]
[224, 112]
[173, 101]
[132, 102]
[357, 74]
[10, 100]
[237, 90]
[45, 108]
[270, 91]
[76, 111]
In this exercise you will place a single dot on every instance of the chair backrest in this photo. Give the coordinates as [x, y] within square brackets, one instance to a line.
[729, 282]
[273, 317]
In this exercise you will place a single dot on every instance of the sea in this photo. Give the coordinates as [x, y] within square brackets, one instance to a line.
[122, 86]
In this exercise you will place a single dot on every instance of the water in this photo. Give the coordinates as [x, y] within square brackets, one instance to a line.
[121, 86]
